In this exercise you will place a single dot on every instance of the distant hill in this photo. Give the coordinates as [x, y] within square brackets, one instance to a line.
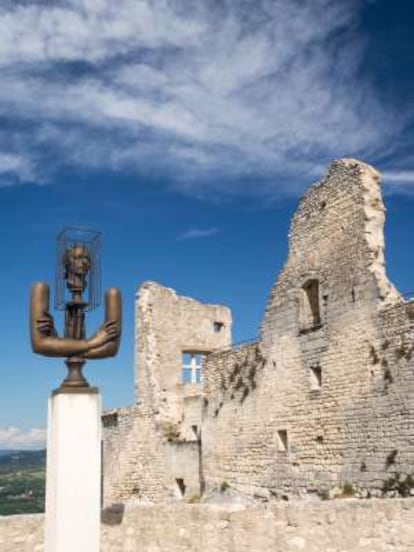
[15, 460]
[22, 481]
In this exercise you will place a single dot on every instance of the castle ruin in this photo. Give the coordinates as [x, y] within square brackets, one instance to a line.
[321, 403]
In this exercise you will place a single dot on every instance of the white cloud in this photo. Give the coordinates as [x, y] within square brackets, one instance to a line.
[398, 177]
[195, 233]
[208, 92]
[15, 438]
[89, 30]
[398, 181]
[14, 168]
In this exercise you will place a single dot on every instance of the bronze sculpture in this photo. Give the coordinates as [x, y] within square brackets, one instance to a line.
[75, 264]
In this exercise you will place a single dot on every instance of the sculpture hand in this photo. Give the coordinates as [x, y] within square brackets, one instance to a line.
[45, 325]
[45, 340]
[109, 331]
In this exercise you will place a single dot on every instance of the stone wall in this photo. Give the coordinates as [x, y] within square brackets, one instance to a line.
[324, 402]
[23, 533]
[330, 526]
[230, 433]
[147, 460]
[132, 456]
[152, 450]
[169, 325]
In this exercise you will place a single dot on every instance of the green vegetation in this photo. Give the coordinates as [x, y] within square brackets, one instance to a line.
[224, 486]
[22, 482]
[399, 484]
[170, 430]
[348, 491]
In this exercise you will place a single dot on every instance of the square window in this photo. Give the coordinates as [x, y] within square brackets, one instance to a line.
[218, 326]
[282, 440]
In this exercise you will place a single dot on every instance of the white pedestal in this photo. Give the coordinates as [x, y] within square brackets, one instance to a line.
[73, 476]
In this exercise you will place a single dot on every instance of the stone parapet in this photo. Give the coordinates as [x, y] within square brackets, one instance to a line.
[347, 525]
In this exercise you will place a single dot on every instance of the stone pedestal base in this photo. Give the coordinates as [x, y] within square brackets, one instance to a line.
[73, 476]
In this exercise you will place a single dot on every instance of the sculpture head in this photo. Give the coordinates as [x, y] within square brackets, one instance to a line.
[77, 263]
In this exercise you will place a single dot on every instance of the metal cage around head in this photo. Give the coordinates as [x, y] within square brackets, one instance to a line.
[78, 267]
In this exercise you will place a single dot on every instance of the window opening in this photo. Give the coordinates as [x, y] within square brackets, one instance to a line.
[181, 485]
[310, 304]
[353, 297]
[315, 373]
[192, 367]
[282, 440]
[218, 326]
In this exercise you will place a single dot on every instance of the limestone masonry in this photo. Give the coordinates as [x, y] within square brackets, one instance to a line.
[321, 406]
[331, 526]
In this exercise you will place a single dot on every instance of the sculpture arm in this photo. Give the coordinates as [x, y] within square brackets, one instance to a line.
[113, 317]
[44, 338]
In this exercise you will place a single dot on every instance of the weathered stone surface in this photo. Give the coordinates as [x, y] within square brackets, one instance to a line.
[321, 406]
[152, 450]
[167, 326]
[331, 526]
[22, 533]
[329, 402]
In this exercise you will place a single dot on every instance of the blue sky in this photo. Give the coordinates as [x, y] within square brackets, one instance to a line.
[189, 130]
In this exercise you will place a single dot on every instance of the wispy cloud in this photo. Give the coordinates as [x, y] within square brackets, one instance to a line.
[195, 233]
[15, 438]
[207, 91]
[399, 181]
[399, 177]
[15, 168]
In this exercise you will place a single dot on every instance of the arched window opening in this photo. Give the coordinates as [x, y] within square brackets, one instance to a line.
[311, 313]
